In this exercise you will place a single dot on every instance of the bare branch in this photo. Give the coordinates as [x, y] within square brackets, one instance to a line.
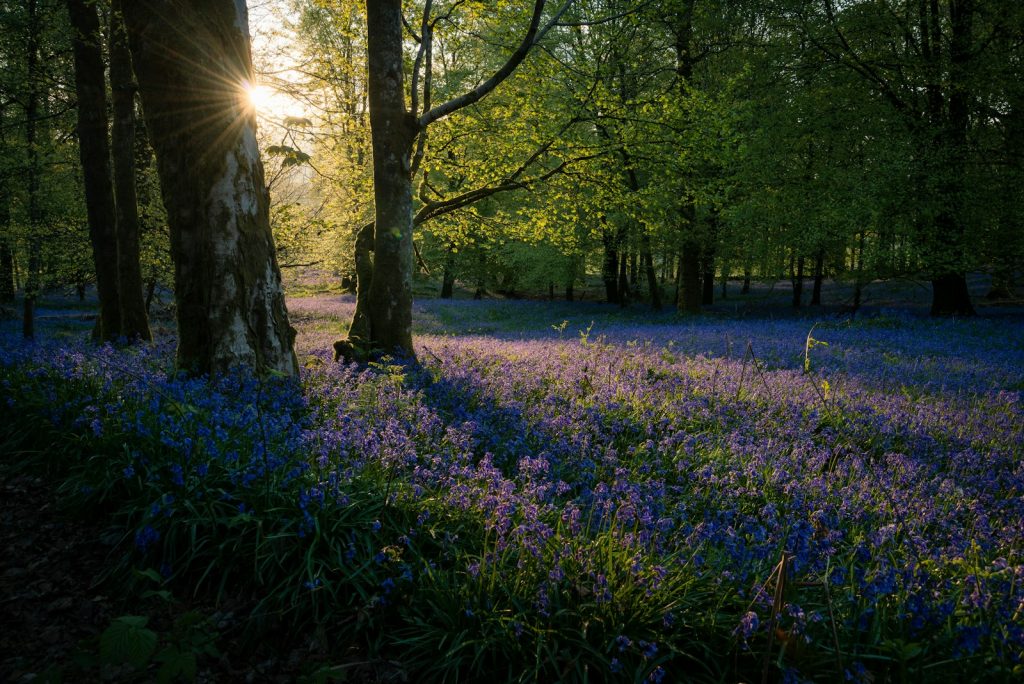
[533, 34]
[424, 46]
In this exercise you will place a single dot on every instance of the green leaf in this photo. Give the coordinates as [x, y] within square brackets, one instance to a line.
[127, 640]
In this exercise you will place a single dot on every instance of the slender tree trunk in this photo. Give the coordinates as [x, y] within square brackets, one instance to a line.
[652, 278]
[193, 63]
[134, 321]
[1010, 226]
[32, 173]
[94, 151]
[858, 278]
[725, 279]
[570, 283]
[6, 253]
[624, 280]
[634, 269]
[7, 286]
[610, 266]
[688, 293]
[707, 267]
[707, 259]
[797, 277]
[746, 279]
[819, 276]
[6, 271]
[150, 294]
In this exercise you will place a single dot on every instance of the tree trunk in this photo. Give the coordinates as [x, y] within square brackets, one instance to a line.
[634, 269]
[359, 331]
[950, 125]
[6, 253]
[609, 268]
[746, 280]
[32, 172]
[725, 280]
[797, 277]
[570, 283]
[447, 283]
[707, 268]
[688, 294]
[652, 277]
[624, 280]
[134, 321]
[94, 151]
[393, 130]
[819, 276]
[858, 278]
[193, 63]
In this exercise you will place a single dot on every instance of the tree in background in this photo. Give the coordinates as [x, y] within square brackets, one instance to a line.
[94, 151]
[134, 319]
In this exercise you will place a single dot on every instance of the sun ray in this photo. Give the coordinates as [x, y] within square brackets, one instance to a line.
[260, 97]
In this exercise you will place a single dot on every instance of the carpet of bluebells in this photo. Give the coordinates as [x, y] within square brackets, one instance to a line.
[551, 498]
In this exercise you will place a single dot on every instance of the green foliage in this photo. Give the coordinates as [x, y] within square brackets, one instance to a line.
[127, 640]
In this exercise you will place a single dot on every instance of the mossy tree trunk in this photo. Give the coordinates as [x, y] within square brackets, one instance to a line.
[193, 63]
[393, 130]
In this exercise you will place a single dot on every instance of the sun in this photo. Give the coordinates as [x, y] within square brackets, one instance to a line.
[260, 97]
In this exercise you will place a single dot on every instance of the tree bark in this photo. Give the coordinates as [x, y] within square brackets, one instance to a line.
[819, 276]
[447, 283]
[32, 172]
[134, 321]
[393, 131]
[624, 280]
[707, 268]
[6, 253]
[797, 278]
[610, 266]
[688, 293]
[94, 152]
[570, 282]
[192, 61]
[652, 277]
[949, 283]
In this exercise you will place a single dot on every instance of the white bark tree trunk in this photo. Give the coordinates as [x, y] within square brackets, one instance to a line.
[193, 63]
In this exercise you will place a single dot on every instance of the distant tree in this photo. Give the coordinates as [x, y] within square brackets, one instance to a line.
[32, 101]
[193, 64]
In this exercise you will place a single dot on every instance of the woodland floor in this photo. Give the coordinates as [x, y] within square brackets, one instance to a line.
[48, 579]
[57, 599]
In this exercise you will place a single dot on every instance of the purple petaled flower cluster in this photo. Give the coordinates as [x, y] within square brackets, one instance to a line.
[891, 469]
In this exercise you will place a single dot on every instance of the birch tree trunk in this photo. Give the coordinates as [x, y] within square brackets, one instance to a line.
[193, 63]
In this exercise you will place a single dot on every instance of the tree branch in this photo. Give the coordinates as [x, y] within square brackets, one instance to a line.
[533, 34]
